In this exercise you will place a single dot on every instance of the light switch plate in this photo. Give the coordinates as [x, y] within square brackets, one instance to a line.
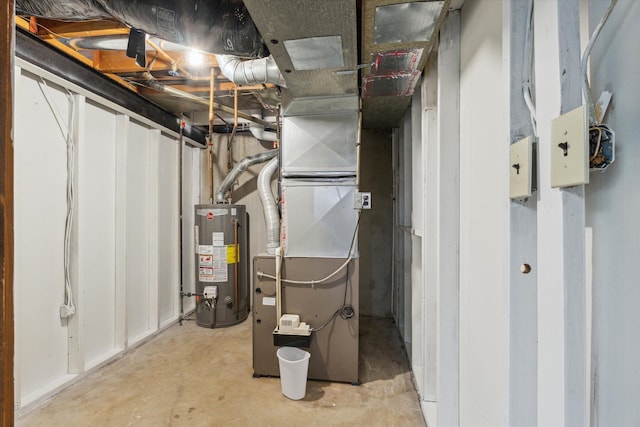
[570, 149]
[521, 168]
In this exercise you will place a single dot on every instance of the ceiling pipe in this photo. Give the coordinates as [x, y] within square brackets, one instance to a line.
[160, 87]
[175, 67]
[240, 167]
[252, 71]
[258, 132]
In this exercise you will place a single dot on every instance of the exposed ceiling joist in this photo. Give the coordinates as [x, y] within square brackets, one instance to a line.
[48, 28]
[114, 61]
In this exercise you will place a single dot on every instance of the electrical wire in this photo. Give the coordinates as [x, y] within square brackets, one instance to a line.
[527, 84]
[324, 279]
[67, 133]
[586, 89]
[346, 311]
[597, 149]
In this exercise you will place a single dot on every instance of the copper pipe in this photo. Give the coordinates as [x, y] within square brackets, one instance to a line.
[235, 113]
[211, 119]
[235, 128]
[237, 260]
[174, 65]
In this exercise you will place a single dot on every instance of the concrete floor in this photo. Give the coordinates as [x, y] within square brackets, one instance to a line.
[192, 376]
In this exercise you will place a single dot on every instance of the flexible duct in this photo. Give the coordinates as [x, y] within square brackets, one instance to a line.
[271, 217]
[240, 167]
[253, 71]
[214, 26]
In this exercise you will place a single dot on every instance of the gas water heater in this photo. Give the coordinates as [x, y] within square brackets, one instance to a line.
[222, 270]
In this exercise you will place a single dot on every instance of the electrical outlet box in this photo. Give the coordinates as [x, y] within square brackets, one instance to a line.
[521, 168]
[362, 200]
[366, 200]
[570, 149]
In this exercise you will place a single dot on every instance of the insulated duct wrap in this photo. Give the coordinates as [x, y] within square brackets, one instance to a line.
[215, 26]
[271, 217]
[238, 169]
[75, 10]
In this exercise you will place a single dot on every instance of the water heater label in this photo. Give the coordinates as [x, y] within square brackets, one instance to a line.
[206, 260]
[217, 238]
[205, 249]
[205, 274]
[220, 269]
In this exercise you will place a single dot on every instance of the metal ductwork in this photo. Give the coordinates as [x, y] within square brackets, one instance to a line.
[240, 167]
[255, 71]
[215, 26]
[271, 217]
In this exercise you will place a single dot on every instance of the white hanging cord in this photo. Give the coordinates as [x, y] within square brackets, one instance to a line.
[527, 86]
[586, 90]
[324, 279]
[68, 308]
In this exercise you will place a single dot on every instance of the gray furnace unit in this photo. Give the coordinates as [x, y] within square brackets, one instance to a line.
[222, 268]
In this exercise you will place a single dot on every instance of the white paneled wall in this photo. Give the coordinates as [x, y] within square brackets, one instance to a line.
[138, 233]
[40, 210]
[168, 228]
[96, 231]
[125, 241]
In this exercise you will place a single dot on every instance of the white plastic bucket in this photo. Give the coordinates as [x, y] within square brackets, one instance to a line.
[294, 364]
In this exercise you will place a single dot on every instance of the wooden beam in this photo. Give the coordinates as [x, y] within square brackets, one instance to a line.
[48, 28]
[116, 61]
[6, 218]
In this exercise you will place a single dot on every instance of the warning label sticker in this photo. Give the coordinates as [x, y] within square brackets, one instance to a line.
[205, 249]
[205, 274]
[206, 260]
[233, 254]
[219, 264]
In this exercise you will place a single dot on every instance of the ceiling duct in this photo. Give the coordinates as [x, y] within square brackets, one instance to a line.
[214, 26]
[254, 71]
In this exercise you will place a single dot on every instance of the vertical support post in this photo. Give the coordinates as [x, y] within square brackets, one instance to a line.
[416, 332]
[396, 246]
[6, 215]
[448, 220]
[523, 293]
[407, 196]
[155, 137]
[574, 223]
[561, 226]
[122, 131]
[429, 245]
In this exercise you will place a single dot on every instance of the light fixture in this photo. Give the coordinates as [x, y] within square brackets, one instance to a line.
[195, 58]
